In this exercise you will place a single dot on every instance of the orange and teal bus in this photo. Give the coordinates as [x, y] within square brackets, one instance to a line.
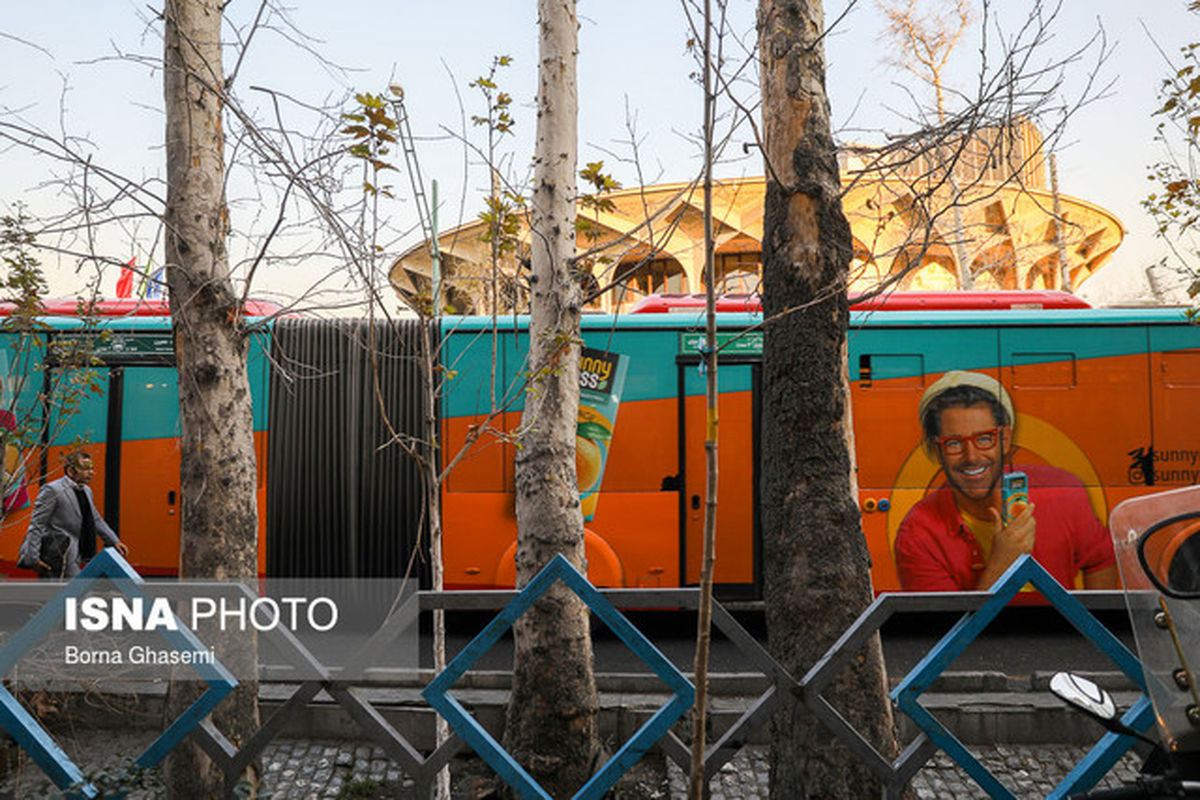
[1107, 394]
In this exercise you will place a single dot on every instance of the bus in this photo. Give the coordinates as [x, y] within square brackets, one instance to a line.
[1109, 395]
[1105, 394]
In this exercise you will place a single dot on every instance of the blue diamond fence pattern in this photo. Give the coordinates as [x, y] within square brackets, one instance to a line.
[469, 730]
[1024, 570]
[37, 742]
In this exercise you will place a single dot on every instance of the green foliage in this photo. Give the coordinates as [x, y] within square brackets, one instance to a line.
[601, 183]
[23, 281]
[1174, 202]
[504, 208]
[372, 131]
[65, 364]
[502, 217]
[499, 117]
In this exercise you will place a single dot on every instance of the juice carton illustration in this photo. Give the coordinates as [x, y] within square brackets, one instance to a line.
[601, 379]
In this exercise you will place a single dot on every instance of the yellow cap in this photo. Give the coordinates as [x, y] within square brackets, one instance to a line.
[957, 377]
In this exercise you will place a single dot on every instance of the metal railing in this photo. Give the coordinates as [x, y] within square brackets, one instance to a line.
[979, 609]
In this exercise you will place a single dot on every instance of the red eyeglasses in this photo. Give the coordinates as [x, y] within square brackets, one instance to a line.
[983, 440]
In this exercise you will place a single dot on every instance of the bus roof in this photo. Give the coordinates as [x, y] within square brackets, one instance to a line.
[998, 317]
[130, 307]
[889, 301]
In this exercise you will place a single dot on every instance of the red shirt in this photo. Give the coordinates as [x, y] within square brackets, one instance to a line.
[936, 552]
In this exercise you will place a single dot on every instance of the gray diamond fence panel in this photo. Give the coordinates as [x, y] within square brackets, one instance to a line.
[354, 699]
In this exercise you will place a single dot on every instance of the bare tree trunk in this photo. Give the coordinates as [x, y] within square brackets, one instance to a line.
[551, 726]
[696, 779]
[816, 565]
[218, 474]
[1064, 268]
[433, 508]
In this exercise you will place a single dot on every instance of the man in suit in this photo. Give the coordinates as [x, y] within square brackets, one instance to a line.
[64, 516]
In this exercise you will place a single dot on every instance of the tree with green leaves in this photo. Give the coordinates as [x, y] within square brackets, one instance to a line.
[1174, 201]
[45, 380]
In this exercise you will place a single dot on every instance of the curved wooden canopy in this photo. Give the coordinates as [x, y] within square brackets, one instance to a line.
[650, 239]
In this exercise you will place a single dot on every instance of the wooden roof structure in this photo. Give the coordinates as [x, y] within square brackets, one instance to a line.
[912, 226]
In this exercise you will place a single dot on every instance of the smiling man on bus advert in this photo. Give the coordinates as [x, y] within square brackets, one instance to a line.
[964, 534]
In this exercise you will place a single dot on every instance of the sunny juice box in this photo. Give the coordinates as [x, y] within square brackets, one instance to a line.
[601, 379]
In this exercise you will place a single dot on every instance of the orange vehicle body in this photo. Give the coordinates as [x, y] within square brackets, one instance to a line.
[1108, 395]
[128, 421]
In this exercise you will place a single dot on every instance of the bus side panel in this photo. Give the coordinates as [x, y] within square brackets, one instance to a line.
[467, 409]
[889, 369]
[1076, 409]
[483, 464]
[642, 526]
[478, 527]
[148, 519]
[150, 506]
[1060, 426]
[258, 366]
[1173, 457]
[150, 503]
[638, 511]
[481, 532]
[644, 452]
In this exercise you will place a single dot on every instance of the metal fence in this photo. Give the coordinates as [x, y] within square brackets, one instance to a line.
[978, 608]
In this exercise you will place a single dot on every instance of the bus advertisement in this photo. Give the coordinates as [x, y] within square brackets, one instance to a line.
[949, 394]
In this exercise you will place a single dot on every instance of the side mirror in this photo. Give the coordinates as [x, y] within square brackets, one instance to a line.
[1169, 552]
[1084, 695]
[1091, 699]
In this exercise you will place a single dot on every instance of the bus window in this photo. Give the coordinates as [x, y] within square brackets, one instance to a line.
[896, 370]
[1036, 370]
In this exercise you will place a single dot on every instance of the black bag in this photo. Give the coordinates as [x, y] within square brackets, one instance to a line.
[52, 551]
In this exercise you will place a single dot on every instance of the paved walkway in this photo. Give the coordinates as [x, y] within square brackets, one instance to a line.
[1030, 771]
[301, 769]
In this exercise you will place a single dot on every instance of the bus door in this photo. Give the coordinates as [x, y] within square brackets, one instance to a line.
[1080, 396]
[1171, 457]
[147, 461]
[890, 367]
[129, 422]
[738, 571]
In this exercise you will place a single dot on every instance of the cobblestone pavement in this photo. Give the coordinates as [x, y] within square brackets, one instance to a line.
[1030, 771]
[304, 770]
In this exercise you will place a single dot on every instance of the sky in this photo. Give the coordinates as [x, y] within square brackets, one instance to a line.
[87, 68]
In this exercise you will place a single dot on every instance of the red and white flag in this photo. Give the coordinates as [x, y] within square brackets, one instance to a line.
[125, 282]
